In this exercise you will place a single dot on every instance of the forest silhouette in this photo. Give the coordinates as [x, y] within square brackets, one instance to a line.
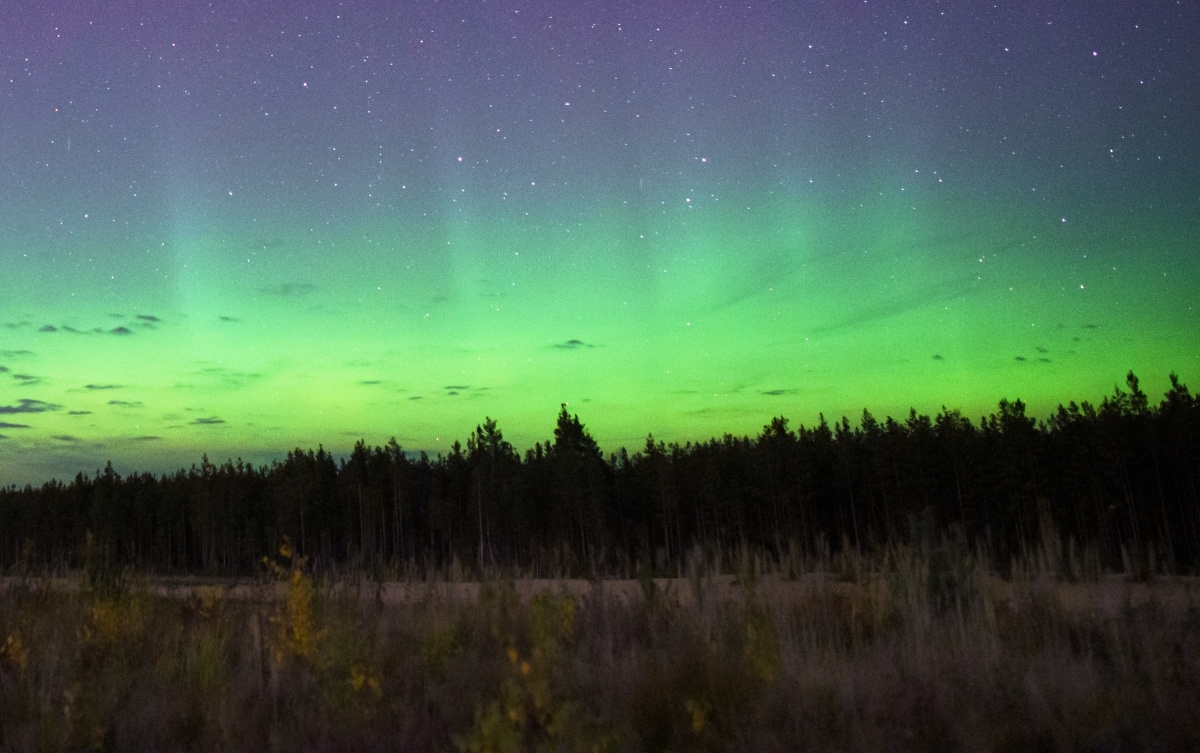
[1116, 483]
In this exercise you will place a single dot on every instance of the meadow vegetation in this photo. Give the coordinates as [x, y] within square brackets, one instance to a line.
[905, 648]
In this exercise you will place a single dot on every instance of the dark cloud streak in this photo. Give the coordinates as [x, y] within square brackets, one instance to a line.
[573, 344]
[288, 290]
[29, 406]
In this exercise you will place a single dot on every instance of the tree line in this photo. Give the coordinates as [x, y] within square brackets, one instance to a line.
[1115, 478]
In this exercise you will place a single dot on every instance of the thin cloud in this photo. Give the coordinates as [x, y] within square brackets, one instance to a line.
[224, 377]
[777, 393]
[15, 353]
[65, 438]
[148, 318]
[121, 331]
[288, 289]
[126, 403]
[47, 328]
[102, 386]
[79, 413]
[7, 425]
[573, 344]
[208, 421]
[29, 406]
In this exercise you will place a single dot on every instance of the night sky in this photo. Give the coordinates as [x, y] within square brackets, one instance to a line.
[239, 228]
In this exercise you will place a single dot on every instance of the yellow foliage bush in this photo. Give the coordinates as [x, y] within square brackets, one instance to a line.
[296, 634]
[14, 651]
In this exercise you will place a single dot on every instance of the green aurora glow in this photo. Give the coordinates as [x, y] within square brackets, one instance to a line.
[680, 324]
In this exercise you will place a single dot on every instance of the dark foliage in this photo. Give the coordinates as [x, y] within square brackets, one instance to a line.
[1121, 479]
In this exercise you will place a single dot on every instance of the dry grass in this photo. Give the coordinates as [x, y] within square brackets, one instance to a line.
[903, 651]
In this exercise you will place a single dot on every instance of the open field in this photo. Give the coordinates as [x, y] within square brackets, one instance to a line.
[914, 652]
[1104, 596]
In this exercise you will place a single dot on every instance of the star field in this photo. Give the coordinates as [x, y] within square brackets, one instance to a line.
[237, 229]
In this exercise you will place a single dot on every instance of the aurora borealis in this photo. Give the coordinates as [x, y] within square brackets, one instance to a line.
[239, 228]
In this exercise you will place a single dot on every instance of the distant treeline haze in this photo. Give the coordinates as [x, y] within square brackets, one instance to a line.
[1113, 479]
